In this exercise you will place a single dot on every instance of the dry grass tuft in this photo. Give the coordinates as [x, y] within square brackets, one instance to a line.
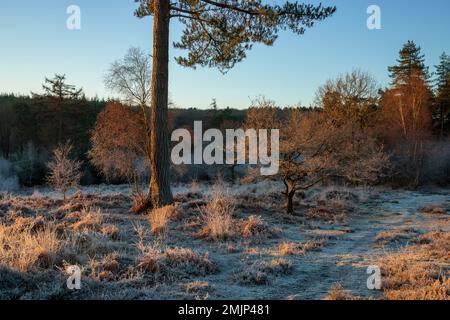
[141, 202]
[337, 292]
[80, 201]
[175, 263]
[199, 289]
[256, 227]
[260, 272]
[159, 218]
[292, 248]
[219, 223]
[397, 235]
[337, 198]
[195, 286]
[106, 269]
[111, 231]
[333, 204]
[31, 224]
[419, 272]
[327, 215]
[90, 219]
[22, 249]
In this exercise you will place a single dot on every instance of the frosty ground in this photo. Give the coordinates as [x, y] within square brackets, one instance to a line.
[257, 251]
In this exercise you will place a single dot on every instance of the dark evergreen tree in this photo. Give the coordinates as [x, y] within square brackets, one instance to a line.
[213, 105]
[411, 63]
[217, 33]
[442, 110]
[407, 108]
[29, 131]
[57, 88]
[58, 96]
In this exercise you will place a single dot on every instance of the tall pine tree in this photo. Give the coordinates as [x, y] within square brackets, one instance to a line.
[217, 33]
[406, 109]
[59, 103]
[411, 63]
[442, 111]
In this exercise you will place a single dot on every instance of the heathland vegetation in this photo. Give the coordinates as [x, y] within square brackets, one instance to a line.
[363, 181]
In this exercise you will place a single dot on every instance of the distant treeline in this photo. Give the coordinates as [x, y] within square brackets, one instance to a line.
[409, 120]
[31, 127]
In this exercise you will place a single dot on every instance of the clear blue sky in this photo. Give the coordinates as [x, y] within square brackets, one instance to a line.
[36, 43]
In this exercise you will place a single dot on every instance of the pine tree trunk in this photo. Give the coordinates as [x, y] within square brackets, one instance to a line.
[160, 182]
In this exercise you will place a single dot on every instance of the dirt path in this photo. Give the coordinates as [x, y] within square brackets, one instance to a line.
[346, 259]
[343, 260]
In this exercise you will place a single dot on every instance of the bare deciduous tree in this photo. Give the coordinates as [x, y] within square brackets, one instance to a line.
[131, 77]
[313, 149]
[306, 148]
[65, 173]
[305, 154]
[350, 98]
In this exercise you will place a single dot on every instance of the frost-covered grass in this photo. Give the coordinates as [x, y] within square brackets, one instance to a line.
[248, 247]
[420, 271]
